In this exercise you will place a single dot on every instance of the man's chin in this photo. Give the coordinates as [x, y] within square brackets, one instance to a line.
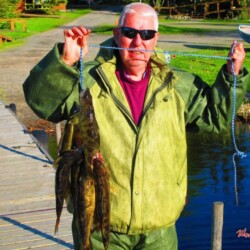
[136, 63]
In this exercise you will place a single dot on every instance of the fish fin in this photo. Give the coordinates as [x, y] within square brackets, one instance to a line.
[57, 226]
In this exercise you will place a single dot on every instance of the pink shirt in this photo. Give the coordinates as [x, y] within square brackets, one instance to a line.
[135, 92]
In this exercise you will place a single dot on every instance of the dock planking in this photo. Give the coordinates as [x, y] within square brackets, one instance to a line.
[27, 204]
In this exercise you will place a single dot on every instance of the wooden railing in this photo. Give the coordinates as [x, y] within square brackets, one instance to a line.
[13, 21]
[33, 6]
[204, 9]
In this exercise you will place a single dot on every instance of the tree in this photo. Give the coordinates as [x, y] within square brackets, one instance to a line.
[158, 4]
[7, 8]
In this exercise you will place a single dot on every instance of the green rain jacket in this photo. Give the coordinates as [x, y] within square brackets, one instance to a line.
[148, 162]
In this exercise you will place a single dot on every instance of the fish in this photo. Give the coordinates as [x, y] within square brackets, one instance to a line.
[63, 166]
[82, 174]
[101, 175]
[85, 206]
[95, 165]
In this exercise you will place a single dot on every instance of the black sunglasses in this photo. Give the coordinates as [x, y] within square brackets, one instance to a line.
[131, 33]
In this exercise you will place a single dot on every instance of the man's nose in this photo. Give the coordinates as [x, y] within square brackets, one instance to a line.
[137, 40]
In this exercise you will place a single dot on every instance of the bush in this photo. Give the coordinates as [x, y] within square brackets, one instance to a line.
[7, 8]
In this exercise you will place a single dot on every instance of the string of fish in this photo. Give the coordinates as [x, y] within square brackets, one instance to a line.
[168, 54]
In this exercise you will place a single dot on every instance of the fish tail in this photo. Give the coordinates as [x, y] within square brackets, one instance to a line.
[57, 226]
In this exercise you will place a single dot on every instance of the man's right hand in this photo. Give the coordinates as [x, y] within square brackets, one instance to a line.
[75, 39]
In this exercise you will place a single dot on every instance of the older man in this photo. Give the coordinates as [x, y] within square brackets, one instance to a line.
[142, 108]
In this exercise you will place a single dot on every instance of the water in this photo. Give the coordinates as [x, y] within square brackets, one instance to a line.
[210, 179]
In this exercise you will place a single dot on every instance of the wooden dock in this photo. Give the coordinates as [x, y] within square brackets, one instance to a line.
[27, 204]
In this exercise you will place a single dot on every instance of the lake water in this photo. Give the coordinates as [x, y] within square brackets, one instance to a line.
[211, 178]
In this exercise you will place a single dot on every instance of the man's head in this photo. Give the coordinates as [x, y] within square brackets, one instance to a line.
[137, 29]
[140, 9]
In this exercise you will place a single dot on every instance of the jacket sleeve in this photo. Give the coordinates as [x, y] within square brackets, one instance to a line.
[209, 109]
[52, 88]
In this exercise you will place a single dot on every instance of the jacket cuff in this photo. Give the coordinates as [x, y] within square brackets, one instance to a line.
[58, 50]
[230, 77]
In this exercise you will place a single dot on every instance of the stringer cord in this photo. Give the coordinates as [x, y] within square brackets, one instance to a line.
[159, 51]
[168, 59]
[238, 153]
[81, 70]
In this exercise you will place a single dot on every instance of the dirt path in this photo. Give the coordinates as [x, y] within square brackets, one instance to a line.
[16, 63]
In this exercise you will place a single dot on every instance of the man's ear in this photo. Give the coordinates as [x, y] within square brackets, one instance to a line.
[157, 34]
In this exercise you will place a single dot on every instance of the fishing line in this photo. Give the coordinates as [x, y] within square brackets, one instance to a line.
[168, 54]
[237, 152]
[81, 69]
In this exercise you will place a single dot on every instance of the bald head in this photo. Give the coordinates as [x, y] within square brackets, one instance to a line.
[141, 9]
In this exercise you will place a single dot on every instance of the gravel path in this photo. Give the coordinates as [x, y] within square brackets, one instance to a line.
[16, 63]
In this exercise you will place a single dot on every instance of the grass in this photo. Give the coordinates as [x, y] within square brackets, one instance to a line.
[37, 25]
[206, 68]
[165, 29]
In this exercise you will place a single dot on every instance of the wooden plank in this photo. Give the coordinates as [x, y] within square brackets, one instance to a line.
[27, 205]
[24, 226]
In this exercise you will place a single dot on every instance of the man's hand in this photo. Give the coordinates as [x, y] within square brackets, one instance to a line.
[237, 55]
[75, 39]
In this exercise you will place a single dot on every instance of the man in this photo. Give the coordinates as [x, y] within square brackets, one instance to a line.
[142, 108]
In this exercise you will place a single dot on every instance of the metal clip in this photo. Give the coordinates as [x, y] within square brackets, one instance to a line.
[167, 57]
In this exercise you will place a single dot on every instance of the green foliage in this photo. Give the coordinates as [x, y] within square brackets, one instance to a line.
[4, 25]
[158, 3]
[7, 8]
[57, 2]
[244, 13]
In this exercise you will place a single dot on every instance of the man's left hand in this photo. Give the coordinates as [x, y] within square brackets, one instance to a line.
[237, 55]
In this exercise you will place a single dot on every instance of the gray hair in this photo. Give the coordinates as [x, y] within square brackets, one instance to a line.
[141, 9]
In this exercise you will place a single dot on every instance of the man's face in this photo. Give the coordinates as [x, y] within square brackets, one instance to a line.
[133, 60]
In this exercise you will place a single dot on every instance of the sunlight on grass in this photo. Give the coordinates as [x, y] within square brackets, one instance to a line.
[164, 29]
[38, 24]
[104, 29]
[206, 68]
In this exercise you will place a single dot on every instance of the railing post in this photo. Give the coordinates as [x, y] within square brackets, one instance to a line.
[218, 208]
[12, 25]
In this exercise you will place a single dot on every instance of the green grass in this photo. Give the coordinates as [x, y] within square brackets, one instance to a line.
[106, 29]
[206, 68]
[37, 25]
[165, 29]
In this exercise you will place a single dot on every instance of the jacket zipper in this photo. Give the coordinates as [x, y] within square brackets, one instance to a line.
[117, 101]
